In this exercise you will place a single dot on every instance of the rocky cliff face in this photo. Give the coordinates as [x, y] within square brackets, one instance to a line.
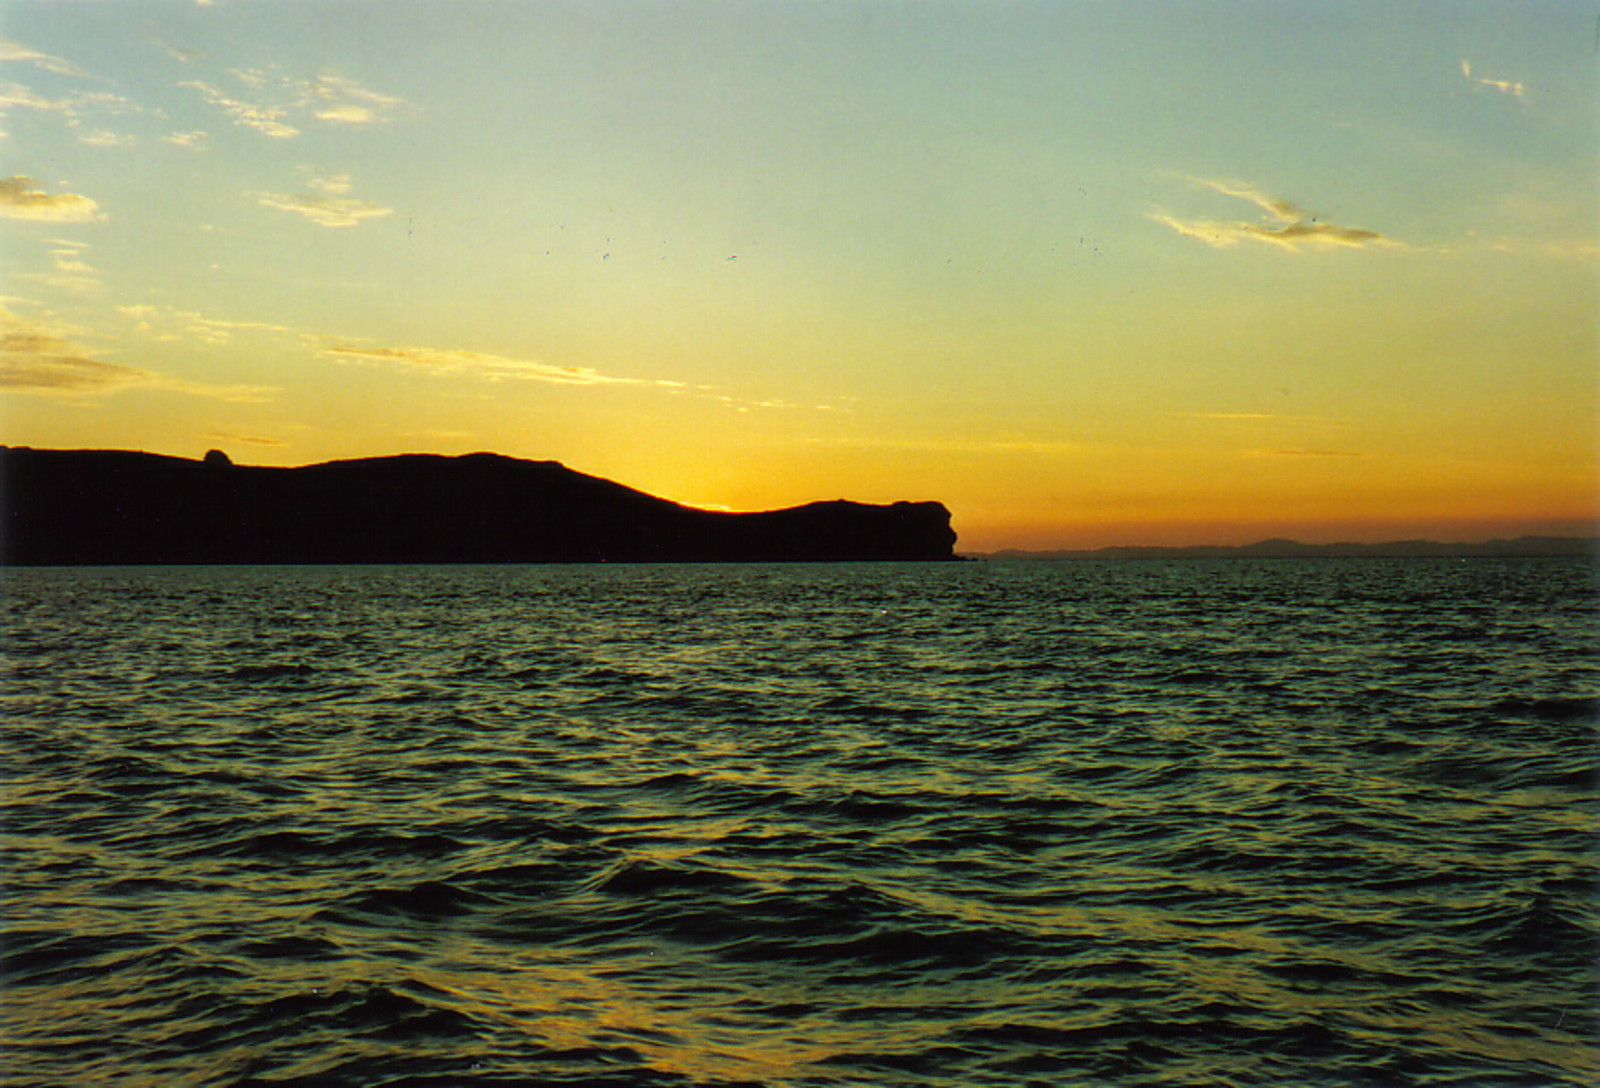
[103, 507]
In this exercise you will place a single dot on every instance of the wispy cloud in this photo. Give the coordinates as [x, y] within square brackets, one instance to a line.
[13, 95]
[477, 364]
[38, 358]
[103, 138]
[16, 52]
[77, 109]
[1586, 250]
[327, 204]
[486, 367]
[72, 272]
[267, 120]
[178, 53]
[1287, 225]
[74, 109]
[193, 141]
[345, 102]
[247, 439]
[1516, 90]
[281, 101]
[1302, 453]
[164, 324]
[1043, 447]
[18, 201]
[1262, 417]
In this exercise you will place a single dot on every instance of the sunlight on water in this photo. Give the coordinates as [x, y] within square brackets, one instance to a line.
[1299, 822]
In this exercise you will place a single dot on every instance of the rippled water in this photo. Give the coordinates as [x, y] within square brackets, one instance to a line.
[1144, 823]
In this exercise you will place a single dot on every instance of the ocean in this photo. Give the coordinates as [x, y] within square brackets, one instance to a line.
[1233, 823]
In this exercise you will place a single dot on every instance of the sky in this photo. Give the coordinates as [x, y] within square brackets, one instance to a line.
[1089, 273]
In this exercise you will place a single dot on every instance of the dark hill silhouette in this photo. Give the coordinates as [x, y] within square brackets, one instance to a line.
[103, 506]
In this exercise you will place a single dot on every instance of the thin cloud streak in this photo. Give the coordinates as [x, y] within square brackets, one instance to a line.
[331, 99]
[267, 120]
[345, 102]
[327, 205]
[1261, 417]
[1298, 452]
[1289, 226]
[72, 272]
[1516, 90]
[36, 358]
[484, 366]
[104, 138]
[16, 52]
[1041, 447]
[74, 110]
[248, 439]
[477, 364]
[193, 141]
[169, 325]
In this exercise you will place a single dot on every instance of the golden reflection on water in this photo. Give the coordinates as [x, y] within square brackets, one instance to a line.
[575, 1007]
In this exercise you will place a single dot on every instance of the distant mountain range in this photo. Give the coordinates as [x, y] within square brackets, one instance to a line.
[71, 507]
[1526, 546]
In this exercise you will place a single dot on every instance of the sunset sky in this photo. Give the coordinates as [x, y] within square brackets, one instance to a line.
[1087, 272]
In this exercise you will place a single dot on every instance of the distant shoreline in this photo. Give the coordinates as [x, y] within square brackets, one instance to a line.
[1525, 547]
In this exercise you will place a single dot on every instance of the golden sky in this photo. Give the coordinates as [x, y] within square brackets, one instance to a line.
[1088, 273]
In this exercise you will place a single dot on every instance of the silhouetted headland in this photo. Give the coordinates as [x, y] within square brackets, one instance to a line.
[71, 507]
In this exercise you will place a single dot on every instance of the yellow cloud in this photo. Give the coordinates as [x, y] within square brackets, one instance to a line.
[326, 204]
[1516, 90]
[18, 201]
[72, 272]
[1010, 445]
[36, 361]
[194, 141]
[168, 324]
[268, 120]
[1289, 226]
[17, 52]
[75, 110]
[103, 138]
[249, 439]
[1297, 452]
[330, 98]
[478, 364]
[37, 358]
[325, 212]
[348, 113]
[346, 102]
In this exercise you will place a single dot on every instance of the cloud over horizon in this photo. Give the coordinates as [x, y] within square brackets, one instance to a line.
[35, 358]
[1288, 225]
[38, 358]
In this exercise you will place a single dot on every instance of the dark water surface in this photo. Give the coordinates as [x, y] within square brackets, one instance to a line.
[1296, 822]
